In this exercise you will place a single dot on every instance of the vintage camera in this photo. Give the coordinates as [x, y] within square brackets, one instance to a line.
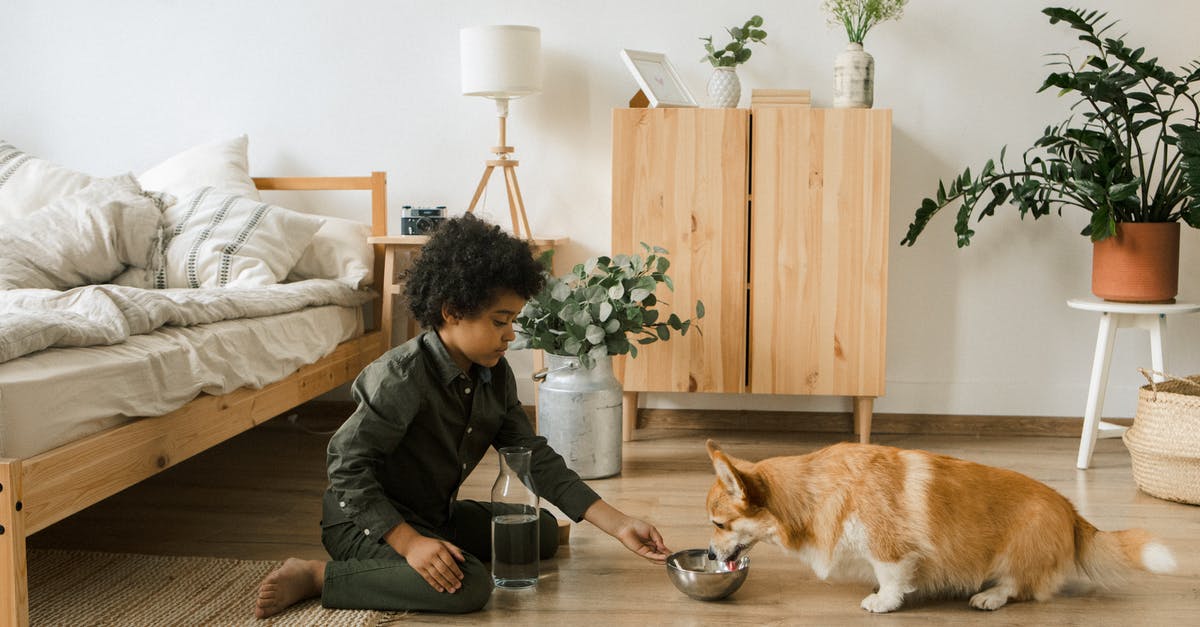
[421, 220]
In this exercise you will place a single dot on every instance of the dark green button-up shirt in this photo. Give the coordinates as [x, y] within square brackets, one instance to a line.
[421, 426]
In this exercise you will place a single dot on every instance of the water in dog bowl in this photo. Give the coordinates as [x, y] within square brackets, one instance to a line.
[703, 579]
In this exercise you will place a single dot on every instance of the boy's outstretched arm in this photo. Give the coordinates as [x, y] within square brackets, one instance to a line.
[637, 535]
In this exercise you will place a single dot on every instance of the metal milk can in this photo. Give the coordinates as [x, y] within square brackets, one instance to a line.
[579, 414]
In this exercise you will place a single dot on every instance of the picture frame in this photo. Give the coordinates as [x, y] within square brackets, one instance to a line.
[658, 79]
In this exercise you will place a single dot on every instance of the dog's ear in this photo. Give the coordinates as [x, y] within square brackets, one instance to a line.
[712, 447]
[732, 480]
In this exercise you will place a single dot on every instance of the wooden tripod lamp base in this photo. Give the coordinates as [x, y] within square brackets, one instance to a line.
[516, 205]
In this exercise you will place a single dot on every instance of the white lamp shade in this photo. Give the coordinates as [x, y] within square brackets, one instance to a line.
[501, 61]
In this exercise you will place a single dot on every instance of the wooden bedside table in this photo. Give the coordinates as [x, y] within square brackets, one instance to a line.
[397, 254]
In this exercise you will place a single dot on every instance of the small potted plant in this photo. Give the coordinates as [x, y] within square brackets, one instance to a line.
[605, 306]
[724, 88]
[854, 69]
[1129, 154]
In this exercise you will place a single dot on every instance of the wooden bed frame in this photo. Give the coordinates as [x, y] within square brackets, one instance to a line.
[41, 490]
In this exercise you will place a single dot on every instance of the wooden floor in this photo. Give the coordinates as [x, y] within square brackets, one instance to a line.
[258, 497]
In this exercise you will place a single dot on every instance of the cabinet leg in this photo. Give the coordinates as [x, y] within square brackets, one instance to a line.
[629, 408]
[863, 406]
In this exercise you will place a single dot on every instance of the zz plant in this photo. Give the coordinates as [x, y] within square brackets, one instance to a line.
[604, 306]
[1130, 151]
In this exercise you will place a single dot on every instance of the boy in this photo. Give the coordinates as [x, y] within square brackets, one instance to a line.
[427, 412]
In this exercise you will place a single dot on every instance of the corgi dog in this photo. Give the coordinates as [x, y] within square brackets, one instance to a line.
[918, 523]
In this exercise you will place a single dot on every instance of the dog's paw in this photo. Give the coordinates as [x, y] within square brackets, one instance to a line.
[881, 604]
[990, 599]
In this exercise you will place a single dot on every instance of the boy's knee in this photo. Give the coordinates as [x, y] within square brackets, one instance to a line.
[547, 535]
[476, 589]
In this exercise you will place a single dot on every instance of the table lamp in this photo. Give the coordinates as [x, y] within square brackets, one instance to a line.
[502, 63]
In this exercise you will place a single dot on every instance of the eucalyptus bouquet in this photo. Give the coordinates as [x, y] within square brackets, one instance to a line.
[859, 16]
[600, 306]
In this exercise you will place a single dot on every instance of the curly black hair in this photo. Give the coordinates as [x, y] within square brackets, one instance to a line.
[462, 267]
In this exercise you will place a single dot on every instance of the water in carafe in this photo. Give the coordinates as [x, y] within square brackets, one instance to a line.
[515, 529]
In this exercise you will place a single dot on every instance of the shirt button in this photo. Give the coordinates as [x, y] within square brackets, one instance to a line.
[342, 504]
[470, 429]
[464, 466]
[366, 532]
[467, 391]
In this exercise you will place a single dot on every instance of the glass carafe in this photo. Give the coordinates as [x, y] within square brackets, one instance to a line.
[515, 514]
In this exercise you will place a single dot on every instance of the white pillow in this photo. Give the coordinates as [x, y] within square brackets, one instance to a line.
[83, 238]
[221, 164]
[217, 240]
[28, 183]
[338, 251]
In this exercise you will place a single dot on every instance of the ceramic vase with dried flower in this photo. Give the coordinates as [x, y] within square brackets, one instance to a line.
[853, 78]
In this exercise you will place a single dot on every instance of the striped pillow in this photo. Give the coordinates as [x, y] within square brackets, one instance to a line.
[28, 183]
[225, 240]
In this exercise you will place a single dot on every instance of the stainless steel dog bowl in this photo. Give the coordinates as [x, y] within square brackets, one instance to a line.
[703, 579]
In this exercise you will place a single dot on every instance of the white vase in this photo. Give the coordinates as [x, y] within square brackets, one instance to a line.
[724, 88]
[853, 78]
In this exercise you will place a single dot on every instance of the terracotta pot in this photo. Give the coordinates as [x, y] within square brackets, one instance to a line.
[1140, 264]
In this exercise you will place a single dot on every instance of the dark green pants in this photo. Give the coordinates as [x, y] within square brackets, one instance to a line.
[366, 574]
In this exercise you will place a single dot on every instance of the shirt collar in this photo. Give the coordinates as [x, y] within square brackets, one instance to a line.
[446, 368]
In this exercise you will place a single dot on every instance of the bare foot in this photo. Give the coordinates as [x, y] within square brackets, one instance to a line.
[289, 584]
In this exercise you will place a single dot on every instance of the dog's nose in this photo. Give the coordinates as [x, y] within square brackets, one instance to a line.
[712, 555]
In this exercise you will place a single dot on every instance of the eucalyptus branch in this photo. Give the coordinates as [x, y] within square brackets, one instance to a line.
[598, 307]
[736, 51]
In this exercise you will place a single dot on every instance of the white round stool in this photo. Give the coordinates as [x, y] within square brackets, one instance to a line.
[1115, 316]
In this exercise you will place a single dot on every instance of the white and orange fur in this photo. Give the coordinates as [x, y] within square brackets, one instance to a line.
[917, 523]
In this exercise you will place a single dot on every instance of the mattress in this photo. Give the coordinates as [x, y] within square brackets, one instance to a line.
[59, 395]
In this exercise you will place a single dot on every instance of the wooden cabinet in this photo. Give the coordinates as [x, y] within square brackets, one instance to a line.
[680, 180]
[777, 219]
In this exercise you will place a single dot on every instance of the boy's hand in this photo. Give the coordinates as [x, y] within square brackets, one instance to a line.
[437, 561]
[642, 538]
[434, 560]
[637, 535]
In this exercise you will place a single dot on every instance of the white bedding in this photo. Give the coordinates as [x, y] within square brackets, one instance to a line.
[58, 395]
[103, 349]
[92, 315]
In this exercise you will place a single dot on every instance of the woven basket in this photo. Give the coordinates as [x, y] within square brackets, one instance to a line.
[1164, 441]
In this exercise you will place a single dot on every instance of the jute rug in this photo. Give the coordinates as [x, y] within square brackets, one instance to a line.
[85, 588]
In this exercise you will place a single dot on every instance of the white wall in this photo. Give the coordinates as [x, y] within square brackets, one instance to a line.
[343, 88]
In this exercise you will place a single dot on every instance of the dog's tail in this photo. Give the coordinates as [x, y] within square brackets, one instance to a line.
[1104, 556]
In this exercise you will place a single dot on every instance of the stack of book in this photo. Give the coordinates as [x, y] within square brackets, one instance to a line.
[780, 98]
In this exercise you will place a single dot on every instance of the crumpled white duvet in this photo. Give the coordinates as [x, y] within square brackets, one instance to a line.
[101, 315]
